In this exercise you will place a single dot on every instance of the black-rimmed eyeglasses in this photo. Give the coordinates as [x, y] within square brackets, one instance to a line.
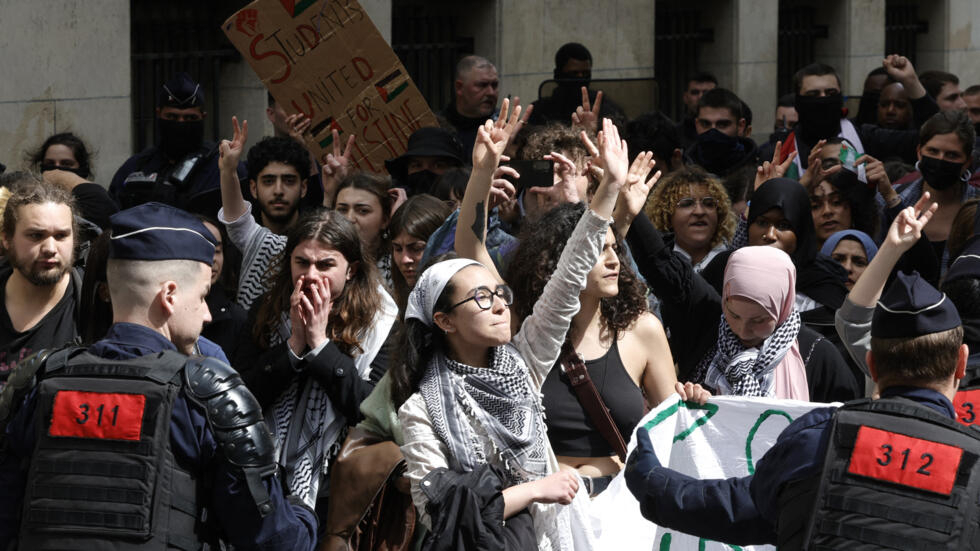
[483, 297]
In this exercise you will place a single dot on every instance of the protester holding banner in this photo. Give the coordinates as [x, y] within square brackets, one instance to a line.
[760, 347]
[837, 479]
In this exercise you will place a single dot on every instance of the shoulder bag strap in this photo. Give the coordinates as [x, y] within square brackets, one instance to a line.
[591, 401]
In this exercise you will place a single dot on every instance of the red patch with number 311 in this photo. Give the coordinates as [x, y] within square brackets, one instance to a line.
[109, 416]
[967, 404]
[904, 460]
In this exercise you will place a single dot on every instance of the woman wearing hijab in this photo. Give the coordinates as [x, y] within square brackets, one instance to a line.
[760, 345]
[780, 216]
[853, 250]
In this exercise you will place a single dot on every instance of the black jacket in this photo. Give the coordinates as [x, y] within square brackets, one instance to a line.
[268, 372]
[467, 512]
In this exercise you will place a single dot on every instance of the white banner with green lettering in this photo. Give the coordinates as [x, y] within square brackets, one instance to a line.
[721, 439]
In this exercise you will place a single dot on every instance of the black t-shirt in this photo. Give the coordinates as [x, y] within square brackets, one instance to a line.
[56, 329]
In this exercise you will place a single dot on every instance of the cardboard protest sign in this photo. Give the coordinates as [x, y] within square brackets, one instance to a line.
[724, 438]
[327, 60]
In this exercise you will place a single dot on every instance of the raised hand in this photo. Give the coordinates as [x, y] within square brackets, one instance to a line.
[492, 138]
[815, 172]
[906, 229]
[299, 125]
[336, 166]
[565, 190]
[633, 196]
[587, 116]
[613, 153]
[900, 68]
[874, 171]
[773, 169]
[501, 190]
[230, 151]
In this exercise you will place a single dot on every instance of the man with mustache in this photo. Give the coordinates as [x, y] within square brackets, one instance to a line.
[39, 290]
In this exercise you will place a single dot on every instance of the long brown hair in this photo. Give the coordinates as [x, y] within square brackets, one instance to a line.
[419, 217]
[352, 313]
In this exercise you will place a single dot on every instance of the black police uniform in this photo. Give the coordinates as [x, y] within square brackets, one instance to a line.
[895, 473]
[151, 176]
[131, 444]
[188, 177]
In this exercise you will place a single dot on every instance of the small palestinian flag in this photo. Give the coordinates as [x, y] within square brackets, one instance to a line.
[328, 123]
[387, 88]
[296, 7]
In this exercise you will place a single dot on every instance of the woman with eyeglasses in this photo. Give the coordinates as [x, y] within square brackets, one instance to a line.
[692, 207]
[468, 390]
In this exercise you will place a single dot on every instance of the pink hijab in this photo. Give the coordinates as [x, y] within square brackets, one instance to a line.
[767, 276]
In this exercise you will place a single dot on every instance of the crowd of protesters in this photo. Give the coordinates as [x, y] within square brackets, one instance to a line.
[454, 353]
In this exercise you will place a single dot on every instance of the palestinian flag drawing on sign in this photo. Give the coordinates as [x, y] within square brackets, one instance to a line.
[296, 7]
[328, 124]
[388, 89]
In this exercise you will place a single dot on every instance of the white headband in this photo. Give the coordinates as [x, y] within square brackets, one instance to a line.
[430, 285]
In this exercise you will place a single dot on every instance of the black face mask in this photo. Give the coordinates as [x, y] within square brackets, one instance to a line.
[76, 171]
[420, 182]
[717, 152]
[179, 139]
[819, 117]
[938, 173]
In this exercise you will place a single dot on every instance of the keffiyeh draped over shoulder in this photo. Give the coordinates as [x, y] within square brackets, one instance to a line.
[766, 276]
[501, 399]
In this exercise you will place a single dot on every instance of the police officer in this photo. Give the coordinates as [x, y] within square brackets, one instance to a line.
[181, 169]
[131, 444]
[897, 472]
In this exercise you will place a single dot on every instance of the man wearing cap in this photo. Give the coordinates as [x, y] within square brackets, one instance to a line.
[896, 472]
[431, 151]
[181, 169]
[130, 443]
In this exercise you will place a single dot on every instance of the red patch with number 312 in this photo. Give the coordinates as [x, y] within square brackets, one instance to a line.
[97, 415]
[904, 460]
[967, 404]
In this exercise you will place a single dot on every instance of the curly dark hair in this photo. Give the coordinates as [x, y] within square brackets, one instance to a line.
[536, 258]
[275, 149]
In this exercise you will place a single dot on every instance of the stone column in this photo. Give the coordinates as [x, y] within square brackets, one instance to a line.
[67, 68]
[953, 41]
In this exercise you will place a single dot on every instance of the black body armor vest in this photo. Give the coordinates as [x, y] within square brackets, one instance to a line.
[897, 475]
[967, 400]
[103, 475]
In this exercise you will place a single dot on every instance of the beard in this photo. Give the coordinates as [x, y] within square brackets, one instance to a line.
[36, 276]
[280, 217]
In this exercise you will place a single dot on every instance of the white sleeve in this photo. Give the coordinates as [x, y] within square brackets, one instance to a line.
[541, 335]
[423, 450]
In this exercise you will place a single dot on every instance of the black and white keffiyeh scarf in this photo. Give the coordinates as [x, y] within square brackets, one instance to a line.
[501, 400]
[748, 370]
